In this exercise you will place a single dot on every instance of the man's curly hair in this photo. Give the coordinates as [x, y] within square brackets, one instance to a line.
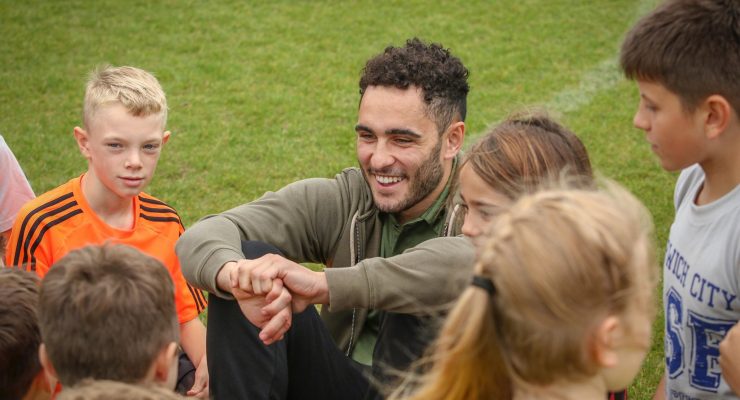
[441, 76]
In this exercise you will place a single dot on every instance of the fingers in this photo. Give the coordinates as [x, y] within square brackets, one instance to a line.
[239, 276]
[275, 329]
[256, 276]
[200, 385]
[278, 299]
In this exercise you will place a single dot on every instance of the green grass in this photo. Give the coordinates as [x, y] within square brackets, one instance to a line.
[263, 94]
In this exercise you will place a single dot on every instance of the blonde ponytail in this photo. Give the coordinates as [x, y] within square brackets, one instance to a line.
[462, 364]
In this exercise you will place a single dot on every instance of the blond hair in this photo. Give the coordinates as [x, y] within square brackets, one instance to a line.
[112, 390]
[560, 260]
[137, 90]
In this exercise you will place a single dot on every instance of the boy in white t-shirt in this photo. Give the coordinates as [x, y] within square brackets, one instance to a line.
[685, 57]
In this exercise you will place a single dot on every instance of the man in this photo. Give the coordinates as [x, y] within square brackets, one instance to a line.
[370, 226]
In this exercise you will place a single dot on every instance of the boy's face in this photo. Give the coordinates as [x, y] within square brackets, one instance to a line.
[122, 150]
[676, 136]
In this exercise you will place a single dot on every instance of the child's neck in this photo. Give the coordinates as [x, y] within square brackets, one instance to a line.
[115, 211]
[722, 171]
[592, 389]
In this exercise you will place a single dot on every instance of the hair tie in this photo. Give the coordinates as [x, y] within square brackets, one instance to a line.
[484, 283]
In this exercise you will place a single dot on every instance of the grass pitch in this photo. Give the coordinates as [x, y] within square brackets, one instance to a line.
[266, 93]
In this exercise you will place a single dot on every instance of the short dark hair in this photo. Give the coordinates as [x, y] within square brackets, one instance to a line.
[441, 77]
[105, 312]
[692, 47]
[19, 332]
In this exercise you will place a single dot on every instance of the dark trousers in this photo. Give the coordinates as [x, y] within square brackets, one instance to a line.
[306, 364]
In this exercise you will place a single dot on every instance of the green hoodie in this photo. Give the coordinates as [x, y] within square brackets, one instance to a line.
[334, 222]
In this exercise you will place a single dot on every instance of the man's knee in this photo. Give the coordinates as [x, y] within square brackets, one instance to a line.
[254, 249]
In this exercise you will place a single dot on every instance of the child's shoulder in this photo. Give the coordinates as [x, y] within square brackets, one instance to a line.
[688, 183]
[61, 197]
[155, 210]
[151, 201]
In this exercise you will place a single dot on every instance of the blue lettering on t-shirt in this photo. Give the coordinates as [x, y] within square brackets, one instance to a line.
[673, 342]
[729, 298]
[675, 263]
[708, 332]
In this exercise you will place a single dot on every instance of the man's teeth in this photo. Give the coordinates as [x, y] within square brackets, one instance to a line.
[388, 179]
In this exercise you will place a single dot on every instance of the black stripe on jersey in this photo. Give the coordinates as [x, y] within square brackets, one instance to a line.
[46, 228]
[198, 297]
[160, 219]
[152, 201]
[28, 217]
[158, 210]
[168, 209]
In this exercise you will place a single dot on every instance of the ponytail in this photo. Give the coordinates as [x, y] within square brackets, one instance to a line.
[463, 363]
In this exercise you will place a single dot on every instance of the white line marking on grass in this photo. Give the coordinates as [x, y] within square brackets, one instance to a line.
[603, 76]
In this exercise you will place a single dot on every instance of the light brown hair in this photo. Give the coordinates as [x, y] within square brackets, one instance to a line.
[112, 390]
[19, 332]
[105, 313]
[136, 89]
[692, 47]
[560, 260]
[519, 154]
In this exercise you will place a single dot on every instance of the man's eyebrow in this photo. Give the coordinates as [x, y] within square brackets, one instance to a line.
[360, 127]
[404, 132]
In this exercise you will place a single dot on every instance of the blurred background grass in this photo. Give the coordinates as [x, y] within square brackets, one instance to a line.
[265, 93]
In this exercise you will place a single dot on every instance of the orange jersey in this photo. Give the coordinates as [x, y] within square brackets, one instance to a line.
[61, 220]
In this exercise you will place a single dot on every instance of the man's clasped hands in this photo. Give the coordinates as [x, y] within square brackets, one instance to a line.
[270, 289]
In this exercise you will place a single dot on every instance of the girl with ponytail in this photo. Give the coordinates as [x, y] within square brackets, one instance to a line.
[561, 304]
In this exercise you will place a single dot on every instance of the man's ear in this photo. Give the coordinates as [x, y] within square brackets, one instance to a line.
[83, 141]
[165, 137]
[718, 113]
[51, 373]
[604, 342]
[164, 368]
[454, 138]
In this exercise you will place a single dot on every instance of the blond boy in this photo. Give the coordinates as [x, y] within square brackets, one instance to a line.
[685, 57]
[108, 312]
[124, 118]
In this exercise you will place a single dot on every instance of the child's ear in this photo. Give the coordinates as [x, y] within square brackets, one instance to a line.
[165, 137]
[718, 115]
[605, 340]
[83, 141]
[164, 368]
[51, 373]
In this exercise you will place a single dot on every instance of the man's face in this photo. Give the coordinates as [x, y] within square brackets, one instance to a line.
[400, 151]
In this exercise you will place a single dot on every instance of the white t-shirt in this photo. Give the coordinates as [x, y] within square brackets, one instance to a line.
[701, 283]
[14, 188]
